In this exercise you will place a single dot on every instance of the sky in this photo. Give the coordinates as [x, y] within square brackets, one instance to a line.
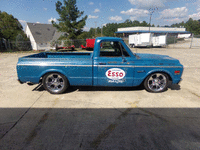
[101, 12]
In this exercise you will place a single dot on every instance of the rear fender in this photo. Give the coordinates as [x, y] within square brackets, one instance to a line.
[53, 70]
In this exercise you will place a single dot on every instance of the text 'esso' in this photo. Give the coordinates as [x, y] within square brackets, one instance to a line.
[115, 74]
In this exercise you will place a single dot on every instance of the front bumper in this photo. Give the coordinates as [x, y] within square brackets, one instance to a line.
[180, 81]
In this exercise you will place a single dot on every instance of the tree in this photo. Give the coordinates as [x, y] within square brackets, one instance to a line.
[55, 44]
[144, 24]
[191, 25]
[9, 26]
[69, 20]
[23, 43]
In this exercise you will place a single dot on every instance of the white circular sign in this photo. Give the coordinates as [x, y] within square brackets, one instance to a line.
[115, 74]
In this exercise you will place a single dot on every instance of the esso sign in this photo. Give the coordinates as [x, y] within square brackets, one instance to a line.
[115, 74]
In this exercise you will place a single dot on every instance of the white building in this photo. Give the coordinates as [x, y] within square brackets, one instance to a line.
[41, 35]
[156, 30]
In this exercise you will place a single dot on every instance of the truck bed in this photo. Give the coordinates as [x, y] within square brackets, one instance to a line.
[61, 55]
[74, 65]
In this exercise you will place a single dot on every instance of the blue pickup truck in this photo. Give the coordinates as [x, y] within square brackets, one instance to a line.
[111, 64]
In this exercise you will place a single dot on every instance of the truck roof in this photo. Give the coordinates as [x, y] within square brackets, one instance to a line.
[108, 38]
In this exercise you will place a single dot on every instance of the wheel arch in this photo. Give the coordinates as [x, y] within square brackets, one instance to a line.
[159, 71]
[53, 71]
[161, 86]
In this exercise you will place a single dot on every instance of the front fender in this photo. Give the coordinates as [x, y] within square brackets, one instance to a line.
[140, 77]
[160, 70]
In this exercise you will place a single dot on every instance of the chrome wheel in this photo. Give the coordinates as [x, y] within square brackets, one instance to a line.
[55, 83]
[156, 82]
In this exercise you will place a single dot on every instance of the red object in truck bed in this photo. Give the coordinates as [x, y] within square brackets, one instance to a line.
[90, 43]
[83, 47]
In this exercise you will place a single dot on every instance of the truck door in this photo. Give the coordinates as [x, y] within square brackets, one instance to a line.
[112, 66]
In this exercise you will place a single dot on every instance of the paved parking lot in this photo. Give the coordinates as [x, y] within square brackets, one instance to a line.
[101, 118]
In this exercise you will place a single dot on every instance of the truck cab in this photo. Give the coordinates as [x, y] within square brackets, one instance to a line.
[112, 60]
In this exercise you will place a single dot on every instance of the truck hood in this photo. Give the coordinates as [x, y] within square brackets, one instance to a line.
[157, 58]
[154, 56]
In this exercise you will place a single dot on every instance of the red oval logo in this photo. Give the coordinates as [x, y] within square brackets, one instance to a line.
[115, 74]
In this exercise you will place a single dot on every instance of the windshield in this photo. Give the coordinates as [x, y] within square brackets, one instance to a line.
[130, 49]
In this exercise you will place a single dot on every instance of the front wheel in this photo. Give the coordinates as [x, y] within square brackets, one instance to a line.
[156, 82]
[55, 83]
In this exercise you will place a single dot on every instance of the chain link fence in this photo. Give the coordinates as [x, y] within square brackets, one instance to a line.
[191, 42]
[15, 46]
[195, 41]
[67, 43]
[175, 42]
[171, 42]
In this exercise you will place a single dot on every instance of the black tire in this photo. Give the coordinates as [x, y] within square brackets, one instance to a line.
[55, 83]
[156, 82]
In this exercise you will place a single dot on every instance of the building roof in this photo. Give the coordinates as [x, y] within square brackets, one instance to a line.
[152, 30]
[43, 33]
[147, 31]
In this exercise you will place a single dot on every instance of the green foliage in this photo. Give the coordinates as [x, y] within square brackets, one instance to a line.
[68, 43]
[178, 25]
[111, 28]
[9, 26]
[191, 25]
[84, 35]
[55, 43]
[12, 33]
[22, 43]
[69, 21]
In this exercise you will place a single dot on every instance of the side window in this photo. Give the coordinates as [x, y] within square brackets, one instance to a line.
[110, 49]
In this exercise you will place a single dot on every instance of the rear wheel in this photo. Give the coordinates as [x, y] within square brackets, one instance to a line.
[156, 82]
[55, 83]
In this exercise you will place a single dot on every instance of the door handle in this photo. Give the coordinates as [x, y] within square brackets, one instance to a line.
[124, 60]
[102, 63]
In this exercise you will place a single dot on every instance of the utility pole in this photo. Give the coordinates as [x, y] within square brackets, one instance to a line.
[95, 28]
[102, 25]
[101, 30]
[151, 10]
[150, 22]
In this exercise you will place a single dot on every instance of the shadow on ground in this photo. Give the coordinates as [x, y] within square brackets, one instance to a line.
[40, 87]
[89, 88]
[128, 128]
